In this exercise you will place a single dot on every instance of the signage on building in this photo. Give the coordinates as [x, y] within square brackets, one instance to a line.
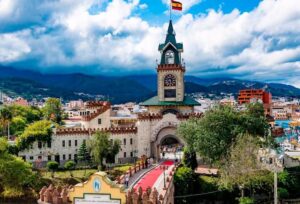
[96, 199]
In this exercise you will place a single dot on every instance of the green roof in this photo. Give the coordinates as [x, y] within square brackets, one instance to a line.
[188, 101]
[170, 38]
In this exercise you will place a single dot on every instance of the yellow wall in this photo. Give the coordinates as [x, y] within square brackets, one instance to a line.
[107, 187]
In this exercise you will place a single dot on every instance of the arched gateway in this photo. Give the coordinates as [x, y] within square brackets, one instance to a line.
[171, 105]
[166, 141]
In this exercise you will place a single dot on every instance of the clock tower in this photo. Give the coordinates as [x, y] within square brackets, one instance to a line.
[170, 71]
[170, 80]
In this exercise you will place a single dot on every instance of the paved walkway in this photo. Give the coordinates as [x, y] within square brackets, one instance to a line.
[135, 177]
[150, 178]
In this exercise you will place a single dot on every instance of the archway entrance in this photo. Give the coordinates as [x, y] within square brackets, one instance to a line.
[170, 148]
[164, 139]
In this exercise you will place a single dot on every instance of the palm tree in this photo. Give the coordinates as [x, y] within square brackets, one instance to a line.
[5, 118]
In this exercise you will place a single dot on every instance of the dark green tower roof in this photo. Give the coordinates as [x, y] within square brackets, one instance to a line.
[170, 38]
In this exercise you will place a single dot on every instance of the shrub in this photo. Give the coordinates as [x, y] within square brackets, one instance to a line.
[283, 193]
[246, 200]
[52, 166]
[70, 165]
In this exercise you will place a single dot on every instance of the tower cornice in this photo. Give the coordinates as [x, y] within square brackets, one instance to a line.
[170, 67]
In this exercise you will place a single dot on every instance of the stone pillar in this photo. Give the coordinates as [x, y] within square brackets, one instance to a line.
[154, 196]
[48, 196]
[135, 198]
[64, 195]
[55, 197]
[42, 191]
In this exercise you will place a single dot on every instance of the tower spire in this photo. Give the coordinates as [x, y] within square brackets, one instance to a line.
[171, 34]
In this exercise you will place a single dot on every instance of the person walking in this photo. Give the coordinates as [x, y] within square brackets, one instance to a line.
[127, 180]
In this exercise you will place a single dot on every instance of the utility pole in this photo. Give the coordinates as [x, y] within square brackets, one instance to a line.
[275, 186]
[8, 131]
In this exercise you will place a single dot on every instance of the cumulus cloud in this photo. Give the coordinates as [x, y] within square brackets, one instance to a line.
[12, 48]
[262, 44]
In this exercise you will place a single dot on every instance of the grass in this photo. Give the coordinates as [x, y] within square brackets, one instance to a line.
[123, 168]
[66, 174]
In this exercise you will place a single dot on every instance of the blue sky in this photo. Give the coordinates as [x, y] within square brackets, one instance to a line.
[247, 39]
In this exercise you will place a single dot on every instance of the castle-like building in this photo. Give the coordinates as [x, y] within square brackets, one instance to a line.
[141, 134]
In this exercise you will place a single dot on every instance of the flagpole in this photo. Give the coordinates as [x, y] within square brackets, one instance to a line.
[170, 10]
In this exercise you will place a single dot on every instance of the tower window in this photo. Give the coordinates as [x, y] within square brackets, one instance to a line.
[170, 93]
[170, 57]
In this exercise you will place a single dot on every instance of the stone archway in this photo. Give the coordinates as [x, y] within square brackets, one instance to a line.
[165, 137]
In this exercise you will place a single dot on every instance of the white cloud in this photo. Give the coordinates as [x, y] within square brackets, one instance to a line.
[143, 6]
[6, 7]
[12, 48]
[263, 44]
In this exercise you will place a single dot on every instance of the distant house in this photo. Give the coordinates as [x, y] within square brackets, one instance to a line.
[21, 102]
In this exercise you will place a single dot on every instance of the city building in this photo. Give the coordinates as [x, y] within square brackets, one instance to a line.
[254, 95]
[143, 130]
[21, 102]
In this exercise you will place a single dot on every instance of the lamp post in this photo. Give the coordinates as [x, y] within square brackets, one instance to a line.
[164, 168]
[134, 155]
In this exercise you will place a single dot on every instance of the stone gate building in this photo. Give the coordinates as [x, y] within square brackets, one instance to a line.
[141, 134]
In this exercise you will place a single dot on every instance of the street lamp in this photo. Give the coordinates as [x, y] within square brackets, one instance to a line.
[134, 155]
[164, 168]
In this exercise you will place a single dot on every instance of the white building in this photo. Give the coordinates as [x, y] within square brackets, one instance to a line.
[142, 133]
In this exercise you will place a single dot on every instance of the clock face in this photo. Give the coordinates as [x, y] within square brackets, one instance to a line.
[170, 80]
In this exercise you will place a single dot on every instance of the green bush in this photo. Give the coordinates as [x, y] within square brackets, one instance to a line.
[246, 200]
[184, 181]
[208, 183]
[37, 131]
[283, 193]
[70, 165]
[52, 166]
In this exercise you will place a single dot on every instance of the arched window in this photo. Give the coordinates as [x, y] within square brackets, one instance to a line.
[170, 57]
[170, 80]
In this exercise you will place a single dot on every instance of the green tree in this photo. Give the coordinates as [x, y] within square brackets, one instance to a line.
[52, 166]
[31, 113]
[185, 182]
[5, 118]
[18, 125]
[114, 148]
[37, 131]
[53, 110]
[242, 169]
[100, 147]
[83, 153]
[15, 174]
[70, 165]
[211, 135]
[189, 159]
[253, 121]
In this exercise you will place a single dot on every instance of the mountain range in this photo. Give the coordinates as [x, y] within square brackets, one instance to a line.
[135, 88]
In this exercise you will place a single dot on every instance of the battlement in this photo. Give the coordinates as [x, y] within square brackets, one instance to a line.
[82, 131]
[169, 67]
[189, 115]
[101, 108]
[150, 116]
[93, 104]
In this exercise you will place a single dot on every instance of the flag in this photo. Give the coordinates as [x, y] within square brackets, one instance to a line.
[176, 5]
